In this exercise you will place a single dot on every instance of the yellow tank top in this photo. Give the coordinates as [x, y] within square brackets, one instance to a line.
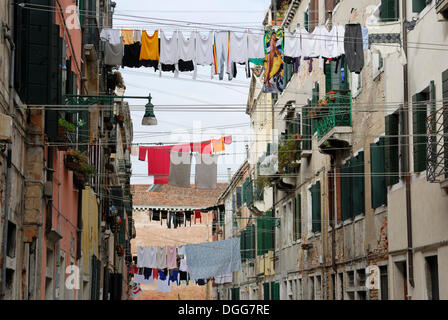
[150, 46]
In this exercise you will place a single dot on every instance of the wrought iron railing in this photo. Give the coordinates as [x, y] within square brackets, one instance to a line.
[437, 146]
[335, 113]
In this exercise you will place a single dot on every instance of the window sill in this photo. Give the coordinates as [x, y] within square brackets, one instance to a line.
[359, 217]
[381, 209]
[347, 222]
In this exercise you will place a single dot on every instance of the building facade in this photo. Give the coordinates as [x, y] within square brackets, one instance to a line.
[61, 130]
[358, 196]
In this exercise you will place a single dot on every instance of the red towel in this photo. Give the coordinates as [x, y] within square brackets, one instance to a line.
[204, 147]
[142, 151]
[159, 163]
[155, 273]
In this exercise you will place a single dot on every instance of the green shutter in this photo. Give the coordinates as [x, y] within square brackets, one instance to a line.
[378, 169]
[314, 100]
[298, 218]
[358, 185]
[419, 131]
[243, 245]
[391, 149]
[418, 5]
[346, 191]
[306, 20]
[266, 294]
[268, 232]
[275, 290]
[389, 10]
[238, 197]
[260, 236]
[328, 76]
[251, 253]
[316, 207]
[288, 72]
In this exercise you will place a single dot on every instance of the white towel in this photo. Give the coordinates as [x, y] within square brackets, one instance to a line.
[169, 53]
[255, 44]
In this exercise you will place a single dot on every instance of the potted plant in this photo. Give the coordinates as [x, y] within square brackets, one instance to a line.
[332, 95]
[73, 158]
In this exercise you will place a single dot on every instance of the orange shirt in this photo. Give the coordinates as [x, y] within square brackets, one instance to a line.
[150, 46]
[127, 36]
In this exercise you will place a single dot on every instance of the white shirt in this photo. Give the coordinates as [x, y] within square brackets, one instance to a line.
[238, 48]
[330, 43]
[340, 33]
[292, 44]
[168, 49]
[186, 47]
[113, 36]
[255, 44]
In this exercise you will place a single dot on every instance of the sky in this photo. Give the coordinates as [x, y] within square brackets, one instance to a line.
[187, 126]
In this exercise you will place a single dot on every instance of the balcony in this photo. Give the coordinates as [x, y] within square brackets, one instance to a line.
[437, 147]
[332, 121]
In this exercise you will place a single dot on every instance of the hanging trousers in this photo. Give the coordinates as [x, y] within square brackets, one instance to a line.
[172, 216]
[353, 46]
[222, 48]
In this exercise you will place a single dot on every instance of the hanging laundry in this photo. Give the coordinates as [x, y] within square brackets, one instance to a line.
[172, 217]
[329, 42]
[255, 48]
[127, 36]
[204, 147]
[365, 38]
[133, 269]
[150, 48]
[180, 169]
[340, 34]
[137, 36]
[183, 265]
[205, 50]
[188, 215]
[183, 276]
[156, 215]
[142, 151]
[113, 54]
[135, 289]
[113, 36]
[354, 53]
[181, 250]
[187, 52]
[222, 49]
[180, 218]
[131, 56]
[227, 278]
[206, 171]
[238, 49]
[155, 273]
[211, 259]
[173, 276]
[197, 215]
[147, 273]
[228, 140]
[385, 39]
[273, 75]
[293, 47]
[159, 163]
[161, 257]
[146, 257]
[201, 282]
[169, 52]
[163, 285]
[171, 255]
[218, 145]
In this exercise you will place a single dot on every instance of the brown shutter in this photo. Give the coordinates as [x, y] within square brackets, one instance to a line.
[314, 14]
[338, 194]
[329, 6]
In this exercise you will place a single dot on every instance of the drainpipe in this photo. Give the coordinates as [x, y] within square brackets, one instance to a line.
[8, 36]
[406, 152]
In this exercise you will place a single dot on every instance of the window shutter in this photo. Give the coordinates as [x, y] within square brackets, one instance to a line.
[298, 217]
[391, 149]
[307, 127]
[260, 236]
[266, 291]
[389, 10]
[238, 197]
[328, 74]
[418, 5]
[275, 289]
[314, 99]
[378, 177]
[419, 129]
[269, 229]
[316, 208]
[358, 185]
[243, 245]
[346, 191]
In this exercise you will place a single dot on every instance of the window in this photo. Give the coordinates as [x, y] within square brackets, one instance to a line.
[419, 114]
[377, 169]
[298, 217]
[384, 284]
[352, 179]
[333, 286]
[306, 18]
[356, 84]
[311, 287]
[432, 278]
[333, 76]
[341, 286]
[316, 207]
[318, 287]
[299, 289]
[266, 295]
[391, 149]
[275, 291]
[419, 5]
[389, 10]
[400, 281]
[265, 229]
[377, 64]
[445, 119]
[11, 244]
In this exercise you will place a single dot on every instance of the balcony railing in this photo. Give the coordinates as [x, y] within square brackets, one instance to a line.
[332, 114]
[437, 146]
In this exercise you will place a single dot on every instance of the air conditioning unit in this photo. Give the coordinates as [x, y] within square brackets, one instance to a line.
[5, 128]
[48, 189]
